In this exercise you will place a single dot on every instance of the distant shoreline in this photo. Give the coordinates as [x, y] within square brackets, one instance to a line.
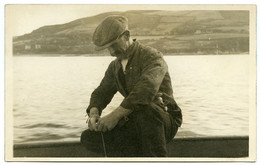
[173, 33]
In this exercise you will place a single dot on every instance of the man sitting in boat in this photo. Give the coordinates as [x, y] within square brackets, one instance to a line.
[148, 117]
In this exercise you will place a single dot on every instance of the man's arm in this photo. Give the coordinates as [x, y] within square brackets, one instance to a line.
[104, 93]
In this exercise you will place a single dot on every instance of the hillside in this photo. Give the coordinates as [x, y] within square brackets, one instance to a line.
[172, 32]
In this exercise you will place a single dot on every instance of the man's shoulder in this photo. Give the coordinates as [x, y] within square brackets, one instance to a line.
[113, 63]
[150, 51]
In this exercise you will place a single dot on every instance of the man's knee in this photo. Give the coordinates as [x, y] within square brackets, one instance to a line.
[84, 136]
[91, 140]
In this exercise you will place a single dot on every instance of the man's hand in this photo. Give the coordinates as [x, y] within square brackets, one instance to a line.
[109, 121]
[93, 118]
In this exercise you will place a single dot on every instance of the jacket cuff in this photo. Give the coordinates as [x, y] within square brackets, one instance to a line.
[127, 105]
[91, 106]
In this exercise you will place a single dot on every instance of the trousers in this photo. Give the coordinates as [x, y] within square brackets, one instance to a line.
[144, 133]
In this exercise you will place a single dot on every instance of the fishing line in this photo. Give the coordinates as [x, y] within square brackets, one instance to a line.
[104, 145]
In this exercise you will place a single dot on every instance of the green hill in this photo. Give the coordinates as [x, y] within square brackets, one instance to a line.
[172, 32]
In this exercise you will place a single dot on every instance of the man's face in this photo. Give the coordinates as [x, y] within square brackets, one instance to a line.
[118, 49]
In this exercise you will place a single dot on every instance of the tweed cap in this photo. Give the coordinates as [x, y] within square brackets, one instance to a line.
[108, 31]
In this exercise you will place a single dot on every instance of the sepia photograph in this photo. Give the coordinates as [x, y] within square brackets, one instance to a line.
[130, 82]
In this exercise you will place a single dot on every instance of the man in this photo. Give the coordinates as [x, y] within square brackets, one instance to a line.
[148, 116]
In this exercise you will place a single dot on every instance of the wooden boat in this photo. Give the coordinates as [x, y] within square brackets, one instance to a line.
[208, 147]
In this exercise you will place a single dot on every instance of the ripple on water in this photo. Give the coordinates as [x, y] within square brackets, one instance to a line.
[49, 105]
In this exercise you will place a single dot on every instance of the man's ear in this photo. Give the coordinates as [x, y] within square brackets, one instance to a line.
[127, 35]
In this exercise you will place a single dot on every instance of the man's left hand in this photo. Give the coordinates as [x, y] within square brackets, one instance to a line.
[107, 123]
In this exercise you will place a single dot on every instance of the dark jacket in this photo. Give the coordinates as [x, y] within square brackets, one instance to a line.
[146, 77]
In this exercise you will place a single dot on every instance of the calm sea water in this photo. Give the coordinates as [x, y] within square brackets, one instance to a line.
[52, 93]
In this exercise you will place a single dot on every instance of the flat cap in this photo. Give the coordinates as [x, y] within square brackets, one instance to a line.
[108, 31]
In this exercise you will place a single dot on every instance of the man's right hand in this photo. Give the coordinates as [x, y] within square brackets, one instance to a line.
[93, 118]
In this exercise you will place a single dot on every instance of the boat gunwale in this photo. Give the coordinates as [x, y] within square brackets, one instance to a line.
[75, 143]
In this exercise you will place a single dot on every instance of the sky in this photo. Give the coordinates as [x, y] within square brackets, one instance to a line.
[26, 18]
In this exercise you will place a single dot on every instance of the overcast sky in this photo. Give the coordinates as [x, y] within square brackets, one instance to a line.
[26, 18]
[21, 19]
